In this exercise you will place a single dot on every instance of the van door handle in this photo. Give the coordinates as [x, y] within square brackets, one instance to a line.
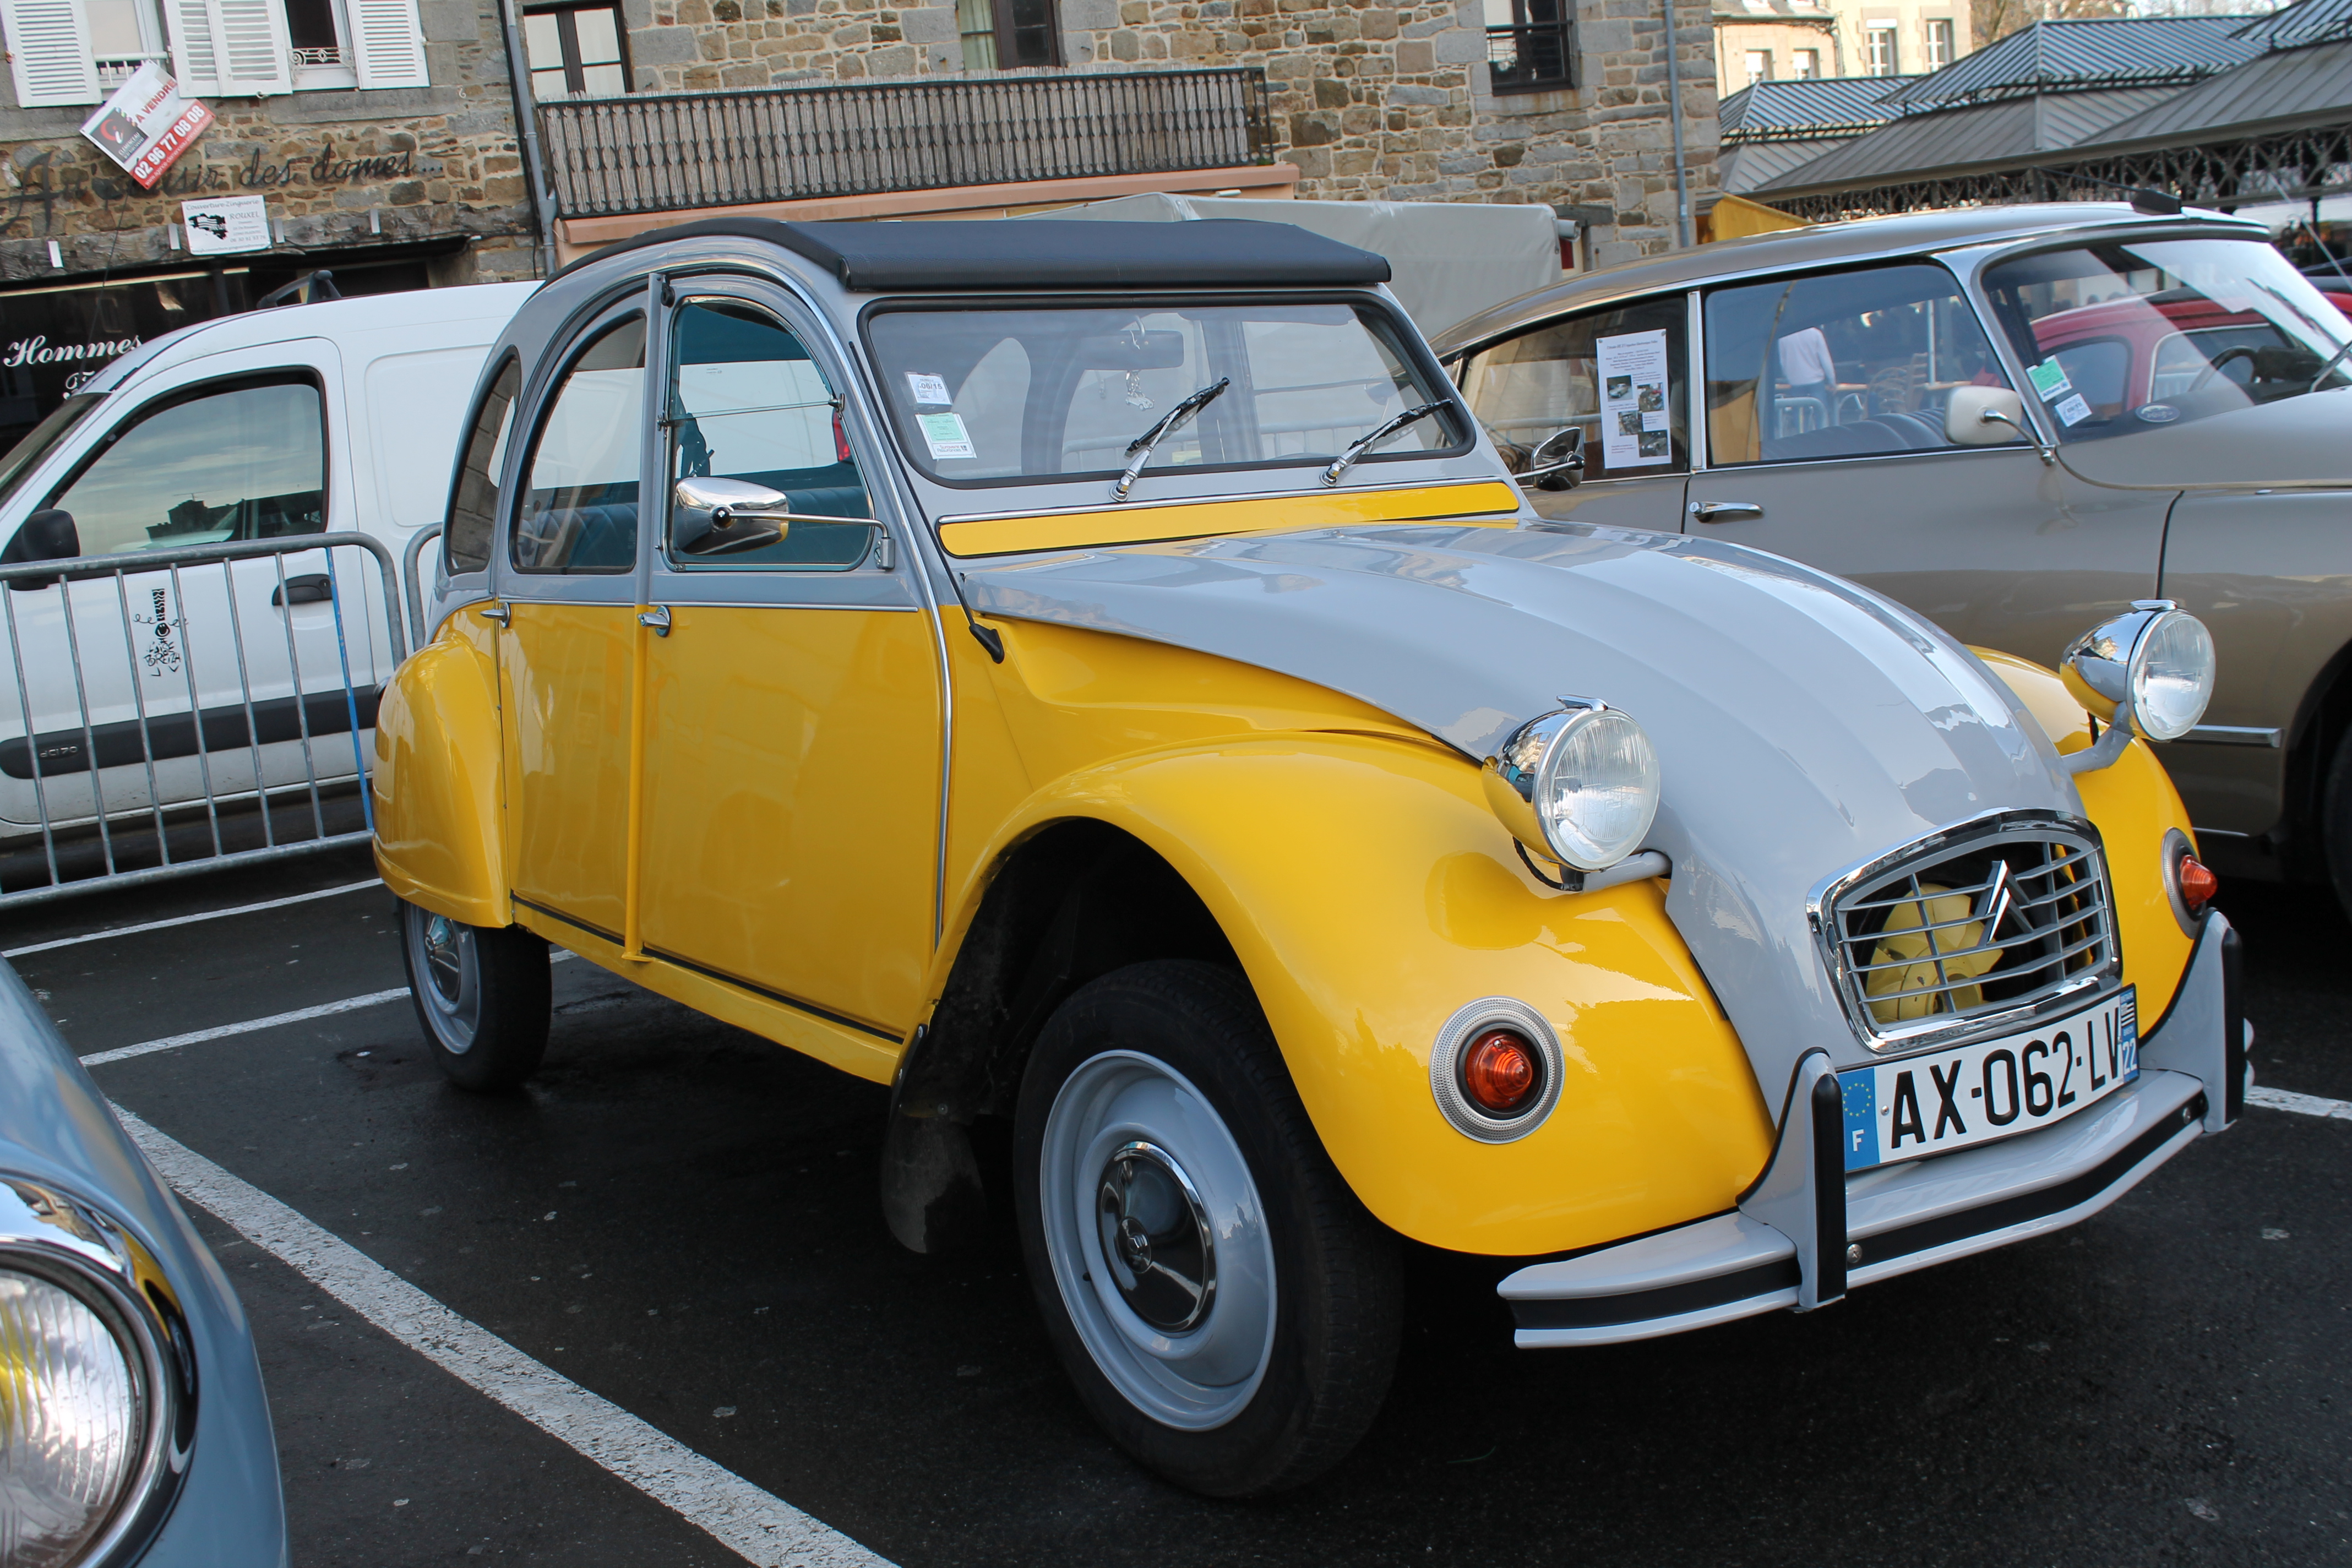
[311, 588]
[1725, 510]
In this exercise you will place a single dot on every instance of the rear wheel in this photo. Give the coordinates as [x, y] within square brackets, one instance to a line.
[481, 994]
[1227, 1308]
[2335, 822]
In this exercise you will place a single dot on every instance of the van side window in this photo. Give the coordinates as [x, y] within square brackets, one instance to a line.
[474, 510]
[578, 512]
[746, 402]
[247, 461]
[1620, 374]
[1842, 365]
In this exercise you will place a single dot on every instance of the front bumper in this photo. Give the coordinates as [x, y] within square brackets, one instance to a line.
[1806, 1232]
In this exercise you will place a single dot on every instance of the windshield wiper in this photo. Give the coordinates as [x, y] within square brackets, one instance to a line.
[1139, 453]
[2333, 361]
[1366, 442]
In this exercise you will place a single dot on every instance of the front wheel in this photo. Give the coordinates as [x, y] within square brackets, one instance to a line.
[1227, 1308]
[481, 994]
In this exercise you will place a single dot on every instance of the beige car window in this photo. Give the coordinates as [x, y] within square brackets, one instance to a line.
[1846, 365]
[1618, 374]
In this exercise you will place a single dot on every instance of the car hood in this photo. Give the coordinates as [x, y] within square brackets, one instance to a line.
[2296, 440]
[1803, 725]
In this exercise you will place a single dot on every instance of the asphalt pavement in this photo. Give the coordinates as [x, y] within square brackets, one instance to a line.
[681, 1218]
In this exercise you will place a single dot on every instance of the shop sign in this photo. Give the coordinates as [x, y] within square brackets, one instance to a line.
[147, 124]
[221, 226]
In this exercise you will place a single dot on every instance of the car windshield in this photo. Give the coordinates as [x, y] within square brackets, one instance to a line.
[27, 454]
[2150, 332]
[1032, 392]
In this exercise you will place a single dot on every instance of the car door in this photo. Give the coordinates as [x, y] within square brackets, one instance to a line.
[1619, 374]
[792, 699]
[567, 584]
[1826, 442]
[232, 449]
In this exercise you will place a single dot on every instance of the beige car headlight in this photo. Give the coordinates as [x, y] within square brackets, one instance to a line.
[1578, 787]
[95, 1402]
[2152, 668]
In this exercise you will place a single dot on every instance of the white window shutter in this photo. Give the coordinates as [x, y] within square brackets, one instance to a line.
[387, 45]
[250, 43]
[195, 63]
[48, 52]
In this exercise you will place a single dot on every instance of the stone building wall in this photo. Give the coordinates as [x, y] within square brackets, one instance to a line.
[1371, 101]
[338, 169]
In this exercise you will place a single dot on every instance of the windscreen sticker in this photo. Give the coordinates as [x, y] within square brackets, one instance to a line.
[945, 435]
[2074, 411]
[2048, 379]
[1633, 388]
[930, 389]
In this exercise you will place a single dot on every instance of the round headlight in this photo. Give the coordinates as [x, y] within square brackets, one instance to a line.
[72, 1416]
[1579, 787]
[2171, 676]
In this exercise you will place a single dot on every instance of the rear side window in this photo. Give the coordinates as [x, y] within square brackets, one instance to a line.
[578, 512]
[241, 461]
[1618, 374]
[474, 510]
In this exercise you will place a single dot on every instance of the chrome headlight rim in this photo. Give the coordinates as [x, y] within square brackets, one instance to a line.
[74, 1246]
[2109, 665]
[1515, 775]
[1467, 1023]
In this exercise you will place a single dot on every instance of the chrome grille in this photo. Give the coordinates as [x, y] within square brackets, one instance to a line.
[1970, 931]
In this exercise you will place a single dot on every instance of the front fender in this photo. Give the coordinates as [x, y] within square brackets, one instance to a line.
[437, 750]
[1368, 893]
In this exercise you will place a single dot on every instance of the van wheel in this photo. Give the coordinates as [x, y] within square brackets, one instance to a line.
[481, 994]
[1227, 1308]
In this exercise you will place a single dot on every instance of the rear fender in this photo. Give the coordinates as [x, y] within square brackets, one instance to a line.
[438, 834]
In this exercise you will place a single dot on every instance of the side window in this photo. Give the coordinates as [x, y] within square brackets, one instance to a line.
[1838, 367]
[1618, 374]
[474, 509]
[747, 403]
[239, 462]
[579, 506]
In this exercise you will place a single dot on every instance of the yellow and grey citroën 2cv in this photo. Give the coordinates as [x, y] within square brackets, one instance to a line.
[1097, 676]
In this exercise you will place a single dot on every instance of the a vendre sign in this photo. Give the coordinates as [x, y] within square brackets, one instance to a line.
[147, 124]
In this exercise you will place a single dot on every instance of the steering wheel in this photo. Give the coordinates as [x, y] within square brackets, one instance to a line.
[2213, 368]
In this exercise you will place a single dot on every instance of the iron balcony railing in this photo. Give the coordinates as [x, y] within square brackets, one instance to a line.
[668, 152]
[1536, 56]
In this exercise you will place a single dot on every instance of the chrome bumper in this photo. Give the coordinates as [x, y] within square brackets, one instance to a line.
[1806, 1232]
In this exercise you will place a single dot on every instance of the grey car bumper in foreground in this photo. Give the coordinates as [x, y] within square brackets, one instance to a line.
[1806, 1232]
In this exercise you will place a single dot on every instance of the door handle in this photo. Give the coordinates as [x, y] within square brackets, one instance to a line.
[311, 588]
[498, 611]
[656, 618]
[1725, 510]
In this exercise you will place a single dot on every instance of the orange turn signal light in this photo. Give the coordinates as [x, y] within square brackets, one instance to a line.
[1499, 1072]
[2198, 884]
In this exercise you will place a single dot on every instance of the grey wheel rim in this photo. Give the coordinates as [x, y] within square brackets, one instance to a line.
[447, 969]
[1157, 1241]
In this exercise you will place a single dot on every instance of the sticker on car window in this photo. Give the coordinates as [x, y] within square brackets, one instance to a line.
[2048, 379]
[945, 435]
[2074, 411]
[928, 388]
[1634, 385]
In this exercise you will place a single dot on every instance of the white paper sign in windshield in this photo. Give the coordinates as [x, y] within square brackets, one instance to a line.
[1633, 425]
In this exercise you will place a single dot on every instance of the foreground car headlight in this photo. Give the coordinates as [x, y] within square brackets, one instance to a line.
[96, 1395]
[2152, 668]
[1579, 787]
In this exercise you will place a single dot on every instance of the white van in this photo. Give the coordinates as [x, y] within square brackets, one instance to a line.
[339, 416]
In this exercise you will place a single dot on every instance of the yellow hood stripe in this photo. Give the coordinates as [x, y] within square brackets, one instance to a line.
[1156, 524]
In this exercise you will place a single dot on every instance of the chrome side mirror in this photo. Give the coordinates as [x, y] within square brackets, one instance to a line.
[1557, 463]
[718, 517]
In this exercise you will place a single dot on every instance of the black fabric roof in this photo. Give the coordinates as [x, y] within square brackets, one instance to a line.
[879, 257]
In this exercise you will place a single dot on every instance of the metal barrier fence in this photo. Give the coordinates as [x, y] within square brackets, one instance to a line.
[666, 151]
[170, 706]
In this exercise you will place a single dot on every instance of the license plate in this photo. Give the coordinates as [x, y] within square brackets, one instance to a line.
[1941, 1101]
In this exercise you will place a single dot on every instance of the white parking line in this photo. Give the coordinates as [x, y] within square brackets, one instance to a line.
[222, 1031]
[191, 920]
[2301, 1104]
[757, 1525]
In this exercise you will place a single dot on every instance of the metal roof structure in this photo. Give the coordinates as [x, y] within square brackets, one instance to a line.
[2063, 55]
[2306, 84]
[1972, 136]
[1742, 168]
[1808, 108]
[2311, 22]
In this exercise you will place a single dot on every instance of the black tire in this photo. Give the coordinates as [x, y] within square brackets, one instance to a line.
[481, 996]
[1331, 1333]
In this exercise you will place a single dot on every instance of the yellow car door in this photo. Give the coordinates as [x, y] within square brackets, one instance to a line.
[793, 703]
[565, 656]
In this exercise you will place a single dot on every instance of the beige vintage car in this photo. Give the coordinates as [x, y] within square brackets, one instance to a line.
[2014, 420]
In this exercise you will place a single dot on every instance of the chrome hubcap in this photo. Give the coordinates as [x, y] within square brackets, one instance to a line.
[1157, 1241]
[444, 962]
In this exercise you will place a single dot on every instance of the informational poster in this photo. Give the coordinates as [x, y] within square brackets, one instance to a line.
[1635, 428]
[147, 124]
[221, 225]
